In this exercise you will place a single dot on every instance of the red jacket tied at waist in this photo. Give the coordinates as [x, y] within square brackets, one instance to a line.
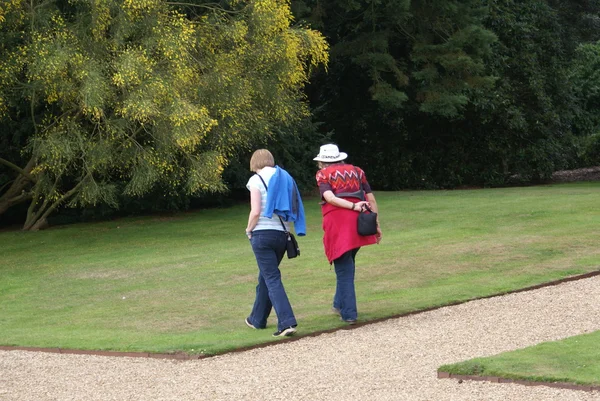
[341, 234]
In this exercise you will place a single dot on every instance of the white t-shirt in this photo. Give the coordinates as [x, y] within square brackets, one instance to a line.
[265, 223]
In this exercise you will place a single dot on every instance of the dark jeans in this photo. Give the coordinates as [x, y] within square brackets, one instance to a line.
[269, 248]
[345, 295]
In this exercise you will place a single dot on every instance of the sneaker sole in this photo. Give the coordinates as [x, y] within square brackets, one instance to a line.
[285, 333]
[249, 324]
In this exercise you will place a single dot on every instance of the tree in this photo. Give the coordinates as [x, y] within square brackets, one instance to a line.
[585, 75]
[400, 71]
[525, 126]
[126, 95]
[437, 94]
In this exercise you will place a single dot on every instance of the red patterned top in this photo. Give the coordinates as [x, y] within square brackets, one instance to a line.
[339, 224]
[342, 178]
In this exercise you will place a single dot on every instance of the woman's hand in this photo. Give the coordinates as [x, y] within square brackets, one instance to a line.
[379, 235]
[330, 198]
[360, 206]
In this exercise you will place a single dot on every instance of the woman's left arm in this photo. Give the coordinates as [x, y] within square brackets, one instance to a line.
[255, 209]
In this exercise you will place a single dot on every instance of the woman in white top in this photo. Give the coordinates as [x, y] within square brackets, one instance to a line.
[268, 239]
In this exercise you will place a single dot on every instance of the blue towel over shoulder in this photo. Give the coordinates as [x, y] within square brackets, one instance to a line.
[283, 198]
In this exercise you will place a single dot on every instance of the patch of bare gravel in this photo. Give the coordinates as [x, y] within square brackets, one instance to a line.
[392, 360]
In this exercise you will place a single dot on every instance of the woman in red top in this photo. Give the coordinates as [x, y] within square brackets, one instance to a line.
[340, 187]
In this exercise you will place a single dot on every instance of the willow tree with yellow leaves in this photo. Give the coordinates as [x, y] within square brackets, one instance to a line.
[142, 93]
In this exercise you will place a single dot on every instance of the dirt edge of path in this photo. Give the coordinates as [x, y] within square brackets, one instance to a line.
[496, 379]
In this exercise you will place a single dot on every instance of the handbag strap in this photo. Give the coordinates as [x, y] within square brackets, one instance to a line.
[267, 189]
[362, 191]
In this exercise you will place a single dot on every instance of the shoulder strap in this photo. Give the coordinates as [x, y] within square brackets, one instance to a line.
[263, 181]
[267, 189]
[362, 192]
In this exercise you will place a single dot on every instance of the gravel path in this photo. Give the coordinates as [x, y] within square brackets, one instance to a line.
[392, 360]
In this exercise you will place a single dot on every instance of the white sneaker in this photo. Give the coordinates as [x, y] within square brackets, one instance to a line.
[285, 332]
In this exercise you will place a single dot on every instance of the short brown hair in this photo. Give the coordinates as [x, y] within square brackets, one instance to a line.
[260, 159]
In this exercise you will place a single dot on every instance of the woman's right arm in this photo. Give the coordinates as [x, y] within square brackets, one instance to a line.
[374, 208]
[255, 206]
[373, 203]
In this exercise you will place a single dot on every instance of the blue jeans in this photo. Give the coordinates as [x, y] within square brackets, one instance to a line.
[345, 295]
[269, 248]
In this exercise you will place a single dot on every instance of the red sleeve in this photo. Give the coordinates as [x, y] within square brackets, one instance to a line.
[363, 179]
[323, 182]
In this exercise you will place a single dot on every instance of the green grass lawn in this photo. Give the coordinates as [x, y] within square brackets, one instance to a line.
[573, 360]
[186, 282]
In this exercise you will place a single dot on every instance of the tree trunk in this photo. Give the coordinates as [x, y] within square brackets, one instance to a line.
[13, 197]
[37, 216]
[40, 224]
[17, 192]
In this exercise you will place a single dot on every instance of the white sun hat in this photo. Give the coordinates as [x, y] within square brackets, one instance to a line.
[330, 153]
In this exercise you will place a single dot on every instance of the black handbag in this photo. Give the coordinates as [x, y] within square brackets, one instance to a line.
[367, 219]
[367, 222]
[291, 245]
